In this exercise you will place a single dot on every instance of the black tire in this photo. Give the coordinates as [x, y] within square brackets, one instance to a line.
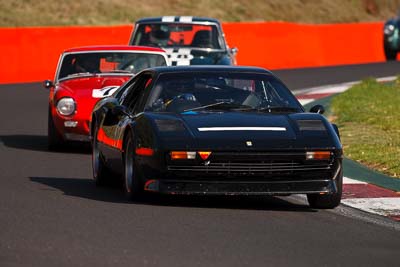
[390, 54]
[92, 131]
[133, 183]
[327, 201]
[101, 175]
[55, 140]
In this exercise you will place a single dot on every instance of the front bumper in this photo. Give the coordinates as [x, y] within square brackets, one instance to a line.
[307, 183]
[245, 173]
[77, 137]
[72, 129]
[190, 187]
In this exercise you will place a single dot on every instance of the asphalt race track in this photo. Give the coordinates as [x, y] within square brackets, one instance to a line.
[51, 214]
[311, 77]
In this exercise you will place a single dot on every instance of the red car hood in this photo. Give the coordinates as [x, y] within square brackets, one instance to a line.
[86, 91]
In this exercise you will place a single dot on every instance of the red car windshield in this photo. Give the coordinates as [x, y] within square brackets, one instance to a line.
[108, 62]
[178, 35]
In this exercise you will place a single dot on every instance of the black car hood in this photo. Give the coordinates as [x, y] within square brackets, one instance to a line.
[234, 130]
[188, 56]
[254, 131]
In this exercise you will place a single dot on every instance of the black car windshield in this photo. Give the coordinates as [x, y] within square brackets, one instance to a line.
[178, 35]
[77, 64]
[229, 91]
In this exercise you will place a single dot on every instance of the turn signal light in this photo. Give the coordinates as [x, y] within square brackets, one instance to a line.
[204, 154]
[144, 151]
[182, 155]
[318, 155]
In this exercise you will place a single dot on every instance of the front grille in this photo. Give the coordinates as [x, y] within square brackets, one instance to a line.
[253, 167]
[254, 164]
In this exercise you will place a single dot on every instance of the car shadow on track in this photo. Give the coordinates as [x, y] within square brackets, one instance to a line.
[39, 143]
[85, 188]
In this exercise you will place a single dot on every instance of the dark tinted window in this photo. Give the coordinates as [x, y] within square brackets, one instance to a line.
[135, 93]
[194, 89]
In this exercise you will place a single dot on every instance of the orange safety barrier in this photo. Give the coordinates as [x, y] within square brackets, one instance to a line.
[31, 54]
[278, 45]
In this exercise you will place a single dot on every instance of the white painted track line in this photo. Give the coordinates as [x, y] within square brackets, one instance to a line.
[389, 206]
[347, 180]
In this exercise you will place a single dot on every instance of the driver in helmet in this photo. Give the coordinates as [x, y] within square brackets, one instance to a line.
[159, 35]
[87, 63]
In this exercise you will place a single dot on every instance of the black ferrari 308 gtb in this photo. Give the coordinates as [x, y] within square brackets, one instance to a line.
[218, 130]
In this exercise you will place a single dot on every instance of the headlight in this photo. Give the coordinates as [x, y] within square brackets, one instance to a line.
[66, 106]
[389, 29]
[311, 125]
[169, 125]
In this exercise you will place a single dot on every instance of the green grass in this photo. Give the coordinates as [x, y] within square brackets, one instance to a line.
[108, 12]
[368, 116]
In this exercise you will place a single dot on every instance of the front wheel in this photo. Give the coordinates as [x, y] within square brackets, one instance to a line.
[390, 54]
[54, 139]
[327, 201]
[100, 173]
[132, 178]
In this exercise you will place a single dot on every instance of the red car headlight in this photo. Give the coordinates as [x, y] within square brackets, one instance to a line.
[66, 106]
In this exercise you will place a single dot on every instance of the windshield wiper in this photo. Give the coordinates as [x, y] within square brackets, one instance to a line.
[118, 71]
[207, 49]
[277, 109]
[221, 105]
[80, 74]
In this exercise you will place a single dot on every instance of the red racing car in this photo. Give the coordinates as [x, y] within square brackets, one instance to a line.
[86, 74]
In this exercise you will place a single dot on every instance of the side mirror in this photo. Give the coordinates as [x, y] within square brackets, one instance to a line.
[318, 109]
[119, 111]
[48, 84]
[234, 50]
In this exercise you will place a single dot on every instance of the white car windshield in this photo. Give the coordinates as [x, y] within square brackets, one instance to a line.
[178, 35]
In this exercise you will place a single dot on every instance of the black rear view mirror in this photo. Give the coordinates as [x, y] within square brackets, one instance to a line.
[318, 109]
[48, 84]
[234, 50]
